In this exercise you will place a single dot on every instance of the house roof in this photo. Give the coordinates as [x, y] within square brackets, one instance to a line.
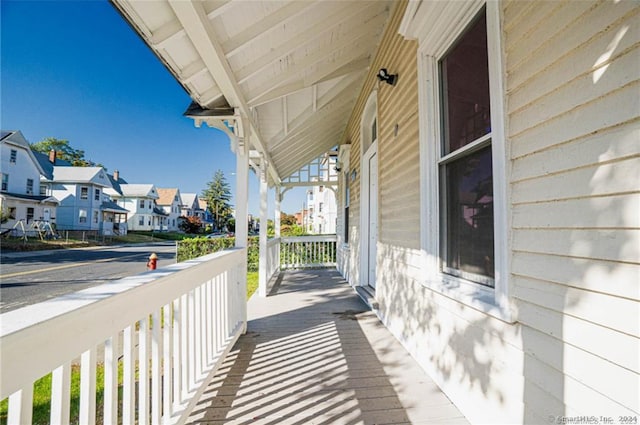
[293, 69]
[113, 207]
[35, 198]
[166, 196]
[47, 165]
[189, 200]
[202, 204]
[89, 175]
[115, 184]
[138, 191]
[16, 138]
[158, 211]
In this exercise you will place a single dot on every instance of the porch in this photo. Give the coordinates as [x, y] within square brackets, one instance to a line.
[314, 354]
[312, 351]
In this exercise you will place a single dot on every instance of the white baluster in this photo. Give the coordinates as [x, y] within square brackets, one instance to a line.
[169, 381]
[20, 406]
[129, 378]
[111, 380]
[143, 372]
[156, 367]
[88, 387]
[61, 394]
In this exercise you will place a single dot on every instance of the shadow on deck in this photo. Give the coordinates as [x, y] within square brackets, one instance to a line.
[314, 354]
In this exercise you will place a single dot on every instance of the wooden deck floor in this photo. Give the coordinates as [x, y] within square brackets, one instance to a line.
[313, 354]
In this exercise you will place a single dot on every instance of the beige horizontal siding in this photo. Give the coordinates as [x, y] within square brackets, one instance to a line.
[580, 212]
[573, 129]
[398, 162]
[605, 146]
[567, 38]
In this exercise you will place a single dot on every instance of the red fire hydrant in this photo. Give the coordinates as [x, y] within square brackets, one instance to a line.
[152, 263]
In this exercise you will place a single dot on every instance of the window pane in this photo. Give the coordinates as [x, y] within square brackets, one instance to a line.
[465, 77]
[468, 215]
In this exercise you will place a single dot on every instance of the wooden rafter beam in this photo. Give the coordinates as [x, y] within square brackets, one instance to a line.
[330, 57]
[345, 65]
[257, 29]
[332, 97]
[195, 22]
[214, 9]
[350, 16]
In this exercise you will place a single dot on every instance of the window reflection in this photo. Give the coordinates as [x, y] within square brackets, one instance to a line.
[469, 214]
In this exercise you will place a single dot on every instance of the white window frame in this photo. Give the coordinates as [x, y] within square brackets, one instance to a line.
[84, 196]
[82, 215]
[494, 301]
[29, 190]
[344, 153]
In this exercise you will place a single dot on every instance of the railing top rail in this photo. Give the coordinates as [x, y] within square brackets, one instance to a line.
[38, 338]
[273, 241]
[319, 238]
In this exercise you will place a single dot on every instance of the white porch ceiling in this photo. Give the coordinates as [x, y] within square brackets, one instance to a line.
[294, 68]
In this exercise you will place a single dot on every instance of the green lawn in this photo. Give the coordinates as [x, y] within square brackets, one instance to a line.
[252, 283]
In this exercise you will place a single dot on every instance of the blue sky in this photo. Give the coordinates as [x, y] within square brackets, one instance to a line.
[75, 70]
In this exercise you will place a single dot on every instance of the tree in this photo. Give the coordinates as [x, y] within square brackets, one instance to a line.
[218, 195]
[64, 151]
[191, 224]
[287, 219]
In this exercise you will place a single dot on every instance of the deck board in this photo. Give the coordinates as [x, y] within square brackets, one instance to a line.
[314, 354]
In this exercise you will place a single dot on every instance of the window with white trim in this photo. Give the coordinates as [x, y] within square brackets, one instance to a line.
[463, 176]
[346, 206]
[82, 215]
[29, 186]
[465, 168]
[30, 214]
[84, 193]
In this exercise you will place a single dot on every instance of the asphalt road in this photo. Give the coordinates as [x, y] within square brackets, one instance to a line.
[33, 277]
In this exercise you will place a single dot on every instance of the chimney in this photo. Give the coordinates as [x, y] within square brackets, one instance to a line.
[52, 156]
[116, 175]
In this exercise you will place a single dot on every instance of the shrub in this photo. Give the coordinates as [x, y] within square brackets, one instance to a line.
[197, 247]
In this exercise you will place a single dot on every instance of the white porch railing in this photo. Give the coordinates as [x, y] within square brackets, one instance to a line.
[271, 266]
[273, 257]
[308, 251]
[184, 320]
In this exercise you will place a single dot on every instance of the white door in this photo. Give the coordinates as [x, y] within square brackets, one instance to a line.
[372, 230]
[46, 215]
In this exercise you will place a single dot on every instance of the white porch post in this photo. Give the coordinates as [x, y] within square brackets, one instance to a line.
[242, 193]
[262, 277]
[276, 220]
[242, 202]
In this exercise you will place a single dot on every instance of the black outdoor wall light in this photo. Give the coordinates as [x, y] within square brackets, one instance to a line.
[383, 75]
